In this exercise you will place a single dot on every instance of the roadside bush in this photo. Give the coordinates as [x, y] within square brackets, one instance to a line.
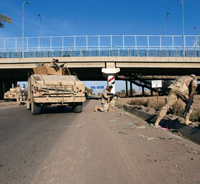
[178, 108]
[155, 105]
[120, 106]
[138, 102]
[147, 103]
[196, 115]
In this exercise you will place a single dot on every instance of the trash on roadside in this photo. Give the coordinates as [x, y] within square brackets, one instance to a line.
[148, 138]
[165, 138]
[131, 124]
[193, 151]
[127, 128]
[151, 138]
[141, 127]
[164, 129]
[113, 120]
[123, 133]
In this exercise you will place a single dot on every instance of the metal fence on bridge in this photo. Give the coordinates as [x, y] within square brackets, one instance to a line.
[101, 45]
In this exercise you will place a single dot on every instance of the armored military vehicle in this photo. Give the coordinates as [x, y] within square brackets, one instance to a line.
[51, 85]
[10, 95]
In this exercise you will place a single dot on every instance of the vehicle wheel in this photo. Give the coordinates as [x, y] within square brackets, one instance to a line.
[28, 105]
[35, 108]
[77, 108]
[61, 108]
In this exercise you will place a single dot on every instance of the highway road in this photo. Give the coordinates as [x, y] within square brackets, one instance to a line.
[91, 148]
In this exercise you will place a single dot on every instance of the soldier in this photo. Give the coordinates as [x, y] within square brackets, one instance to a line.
[54, 64]
[18, 94]
[107, 101]
[183, 88]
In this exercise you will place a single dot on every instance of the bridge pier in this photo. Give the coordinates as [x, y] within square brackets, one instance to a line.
[110, 72]
[126, 88]
[131, 86]
[143, 91]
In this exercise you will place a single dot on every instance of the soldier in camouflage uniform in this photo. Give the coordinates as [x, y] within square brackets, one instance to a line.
[107, 101]
[18, 91]
[183, 88]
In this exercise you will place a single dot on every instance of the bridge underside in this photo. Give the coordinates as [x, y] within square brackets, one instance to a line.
[95, 74]
[132, 69]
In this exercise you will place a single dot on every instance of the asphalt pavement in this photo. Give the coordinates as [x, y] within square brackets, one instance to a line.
[26, 140]
[91, 148]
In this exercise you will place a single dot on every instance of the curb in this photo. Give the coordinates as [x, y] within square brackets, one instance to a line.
[191, 133]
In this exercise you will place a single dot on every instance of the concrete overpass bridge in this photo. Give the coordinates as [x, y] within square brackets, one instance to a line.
[121, 56]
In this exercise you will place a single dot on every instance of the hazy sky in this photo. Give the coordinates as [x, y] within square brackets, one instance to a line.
[103, 17]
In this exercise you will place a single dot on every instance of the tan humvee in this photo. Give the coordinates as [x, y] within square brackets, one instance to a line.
[10, 95]
[48, 86]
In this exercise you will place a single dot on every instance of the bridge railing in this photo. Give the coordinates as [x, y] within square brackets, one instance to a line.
[101, 45]
[102, 53]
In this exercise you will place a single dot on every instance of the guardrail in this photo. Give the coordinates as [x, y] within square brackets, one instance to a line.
[102, 53]
[100, 45]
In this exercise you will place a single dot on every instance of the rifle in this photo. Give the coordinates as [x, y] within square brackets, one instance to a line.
[188, 106]
[112, 94]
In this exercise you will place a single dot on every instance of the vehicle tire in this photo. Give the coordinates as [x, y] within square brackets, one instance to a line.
[35, 108]
[77, 108]
[61, 108]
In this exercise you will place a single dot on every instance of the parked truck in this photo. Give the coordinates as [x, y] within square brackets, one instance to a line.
[51, 85]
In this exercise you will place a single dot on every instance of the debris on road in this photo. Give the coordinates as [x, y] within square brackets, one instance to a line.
[127, 127]
[148, 138]
[123, 133]
[165, 138]
[113, 120]
[141, 127]
[164, 129]
[131, 124]
[193, 151]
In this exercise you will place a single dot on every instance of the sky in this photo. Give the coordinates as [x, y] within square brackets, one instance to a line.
[103, 17]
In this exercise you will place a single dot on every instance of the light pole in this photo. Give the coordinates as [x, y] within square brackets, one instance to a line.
[166, 29]
[23, 27]
[183, 28]
[41, 29]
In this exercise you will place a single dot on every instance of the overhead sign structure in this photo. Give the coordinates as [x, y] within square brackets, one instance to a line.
[156, 83]
[92, 87]
[100, 87]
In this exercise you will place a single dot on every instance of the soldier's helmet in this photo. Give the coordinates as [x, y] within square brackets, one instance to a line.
[55, 60]
[109, 87]
[193, 76]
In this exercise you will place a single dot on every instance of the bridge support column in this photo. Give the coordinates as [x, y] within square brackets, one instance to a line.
[151, 92]
[126, 88]
[131, 87]
[110, 73]
[142, 90]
